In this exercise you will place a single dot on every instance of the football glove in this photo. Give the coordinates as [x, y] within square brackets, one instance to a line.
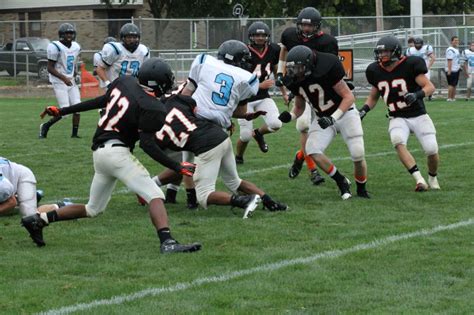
[254, 115]
[363, 111]
[279, 79]
[50, 111]
[325, 122]
[411, 98]
[187, 169]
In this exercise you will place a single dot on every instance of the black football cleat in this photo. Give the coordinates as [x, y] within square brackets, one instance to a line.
[316, 177]
[260, 141]
[295, 169]
[239, 159]
[273, 205]
[75, 136]
[363, 194]
[172, 246]
[345, 189]
[34, 225]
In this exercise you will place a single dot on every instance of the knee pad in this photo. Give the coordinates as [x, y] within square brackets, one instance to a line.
[274, 125]
[357, 151]
[93, 212]
[396, 137]
[245, 134]
[430, 145]
[302, 124]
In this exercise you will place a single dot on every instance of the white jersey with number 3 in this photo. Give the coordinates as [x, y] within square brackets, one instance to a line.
[65, 58]
[119, 61]
[219, 88]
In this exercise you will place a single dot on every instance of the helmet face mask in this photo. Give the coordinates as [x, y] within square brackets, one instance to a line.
[388, 50]
[418, 43]
[130, 36]
[299, 64]
[157, 75]
[235, 53]
[308, 22]
[259, 34]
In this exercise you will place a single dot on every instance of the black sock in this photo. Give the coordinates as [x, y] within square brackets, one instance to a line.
[432, 174]
[191, 195]
[171, 195]
[413, 169]
[361, 186]
[338, 177]
[52, 216]
[52, 121]
[164, 234]
[75, 130]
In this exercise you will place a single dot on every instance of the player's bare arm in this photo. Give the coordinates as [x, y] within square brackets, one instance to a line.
[53, 71]
[425, 84]
[102, 74]
[343, 91]
[299, 106]
[8, 204]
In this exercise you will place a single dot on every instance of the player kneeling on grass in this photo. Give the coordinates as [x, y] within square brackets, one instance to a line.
[128, 105]
[210, 144]
[402, 83]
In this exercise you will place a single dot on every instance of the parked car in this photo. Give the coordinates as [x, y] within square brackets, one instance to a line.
[32, 47]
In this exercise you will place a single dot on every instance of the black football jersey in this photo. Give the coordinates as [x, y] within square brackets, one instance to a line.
[127, 104]
[318, 88]
[263, 64]
[320, 42]
[182, 130]
[393, 85]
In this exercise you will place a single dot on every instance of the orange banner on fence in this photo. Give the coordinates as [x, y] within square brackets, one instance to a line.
[347, 59]
[89, 84]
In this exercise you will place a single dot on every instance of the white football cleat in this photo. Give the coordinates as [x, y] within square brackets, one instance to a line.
[421, 185]
[251, 206]
[433, 182]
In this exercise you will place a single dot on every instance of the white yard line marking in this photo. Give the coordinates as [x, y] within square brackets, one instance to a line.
[125, 190]
[181, 286]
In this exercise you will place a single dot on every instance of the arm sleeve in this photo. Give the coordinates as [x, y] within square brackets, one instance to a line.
[369, 74]
[110, 53]
[337, 73]
[249, 88]
[148, 144]
[419, 67]
[98, 102]
[53, 52]
[196, 68]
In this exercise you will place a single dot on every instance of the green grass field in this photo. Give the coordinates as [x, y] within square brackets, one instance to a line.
[400, 252]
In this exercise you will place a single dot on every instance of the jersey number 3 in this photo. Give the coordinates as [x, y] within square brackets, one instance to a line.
[402, 90]
[226, 82]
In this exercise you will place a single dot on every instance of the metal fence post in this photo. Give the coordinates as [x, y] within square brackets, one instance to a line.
[14, 49]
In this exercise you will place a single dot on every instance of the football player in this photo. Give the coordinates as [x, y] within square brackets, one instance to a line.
[123, 58]
[98, 57]
[424, 51]
[63, 56]
[128, 104]
[308, 33]
[469, 68]
[402, 83]
[452, 68]
[212, 148]
[264, 62]
[18, 188]
[318, 79]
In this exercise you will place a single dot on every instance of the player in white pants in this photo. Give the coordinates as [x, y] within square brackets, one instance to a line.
[63, 56]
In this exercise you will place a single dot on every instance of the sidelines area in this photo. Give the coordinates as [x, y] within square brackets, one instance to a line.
[276, 167]
[151, 292]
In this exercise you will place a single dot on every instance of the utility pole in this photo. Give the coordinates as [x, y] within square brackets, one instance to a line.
[416, 15]
[379, 14]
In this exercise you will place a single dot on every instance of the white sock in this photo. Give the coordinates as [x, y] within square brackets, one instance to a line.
[173, 187]
[44, 217]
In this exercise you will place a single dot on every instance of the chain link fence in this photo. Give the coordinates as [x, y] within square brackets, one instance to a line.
[180, 40]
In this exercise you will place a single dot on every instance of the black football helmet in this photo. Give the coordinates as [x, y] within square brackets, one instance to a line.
[109, 40]
[388, 43]
[311, 16]
[258, 28]
[130, 29]
[418, 42]
[157, 75]
[299, 64]
[236, 53]
[66, 28]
